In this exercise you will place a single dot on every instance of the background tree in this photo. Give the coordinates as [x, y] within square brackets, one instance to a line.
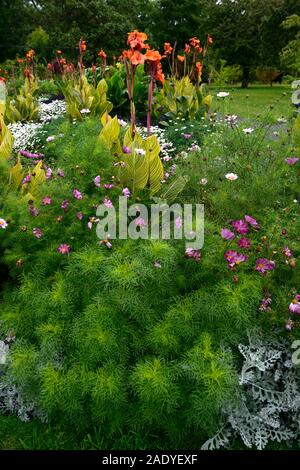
[290, 54]
[39, 41]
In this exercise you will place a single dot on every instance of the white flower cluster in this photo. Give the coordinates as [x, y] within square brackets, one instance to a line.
[27, 135]
[166, 147]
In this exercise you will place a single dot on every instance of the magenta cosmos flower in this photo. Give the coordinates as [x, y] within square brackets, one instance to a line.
[234, 258]
[46, 201]
[126, 149]
[64, 205]
[244, 242]
[26, 180]
[33, 211]
[64, 249]
[37, 232]
[77, 194]
[263, 265]
[227, 234]
[240, 226]
[291, 160]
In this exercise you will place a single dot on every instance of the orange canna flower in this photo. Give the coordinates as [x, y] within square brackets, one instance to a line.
[30, 54]
[209, 39]
[136, 40]
[49, 66]
[159, 76]
[153, 56]
[82, 45]
[58, 52]
[187, 49]
[102, 54]
[180, 58]
[198, 68]
[62, 61]
[137, 58]
[195, 42]
[20, 61]
[167, 48]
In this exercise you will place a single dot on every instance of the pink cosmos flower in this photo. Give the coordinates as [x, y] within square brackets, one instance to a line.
[77, 194]
[187, 136]
[46, 201]
[287, 252]
[64, 249]
[60, 173]
[108, 186]
[33, 211]
[244, 242]
[291, 160]
[263, 265]
[107, 202]
[251, 221]
[140, 222]
[79, 215]
[97, 180]
[64, 204]
[240, 226]
[294, 306]
[157, 264]
[227, 234]
[50, 138]
[3, 223]
[90, 225]
[37, 232]
[48, 173]
[126, 192]
[191, 253]
[106, 242]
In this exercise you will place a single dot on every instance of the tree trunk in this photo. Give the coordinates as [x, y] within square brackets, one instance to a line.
[246, 76]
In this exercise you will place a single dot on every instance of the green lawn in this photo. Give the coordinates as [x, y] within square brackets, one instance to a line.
[255, 100]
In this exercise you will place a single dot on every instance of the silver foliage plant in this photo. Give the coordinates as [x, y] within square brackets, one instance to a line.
[269, 400]
[11, 401]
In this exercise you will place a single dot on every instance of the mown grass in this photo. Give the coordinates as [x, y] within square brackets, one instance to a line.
[255, 101]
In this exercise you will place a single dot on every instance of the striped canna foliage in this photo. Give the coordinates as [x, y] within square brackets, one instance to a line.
[181, 98]
[140, 165]
[6, 138]
[83, 96]
[24, 107]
